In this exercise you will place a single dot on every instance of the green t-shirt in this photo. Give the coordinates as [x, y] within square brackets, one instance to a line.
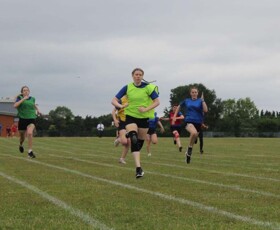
[26, 109]
[139, 97]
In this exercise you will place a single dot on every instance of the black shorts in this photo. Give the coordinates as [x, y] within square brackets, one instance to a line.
[121, 125]
[151, 131]
[23, 123]
[196, 125]
[140, 122]
[177, 128]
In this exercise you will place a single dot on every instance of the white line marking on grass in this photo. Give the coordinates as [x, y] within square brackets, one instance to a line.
[76, 212]
[249, 220]
[199, 169]
[228, 163]
[224, 173]
[233, 187]
[193, 168]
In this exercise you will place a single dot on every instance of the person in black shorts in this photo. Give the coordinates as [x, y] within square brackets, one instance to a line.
[27, 113]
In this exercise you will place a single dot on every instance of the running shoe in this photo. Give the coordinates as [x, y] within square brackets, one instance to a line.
[188, 155]
[31, 155]
[122, 161]
[116, 142]
[21, 149]
[139, 173]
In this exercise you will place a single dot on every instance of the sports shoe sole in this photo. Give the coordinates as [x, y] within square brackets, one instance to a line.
[188, 160]
[139, 175]
[122, 162]
[116, 143]
[31, 155]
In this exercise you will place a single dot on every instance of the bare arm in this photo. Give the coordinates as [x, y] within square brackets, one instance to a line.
[17, 103]
[116, 121]
[161, 127]
[204, 105]
[180, 117]
[37, 110]
[115, 103]
[164, 118]
[175, 114]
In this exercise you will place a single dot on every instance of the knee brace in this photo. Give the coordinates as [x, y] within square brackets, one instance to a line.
[140, 144]
[176, 134]
[134, 141]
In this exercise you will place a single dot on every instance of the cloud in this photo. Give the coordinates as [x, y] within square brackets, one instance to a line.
[79, 54]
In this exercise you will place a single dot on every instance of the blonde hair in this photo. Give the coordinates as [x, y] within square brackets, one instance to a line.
[194, 87]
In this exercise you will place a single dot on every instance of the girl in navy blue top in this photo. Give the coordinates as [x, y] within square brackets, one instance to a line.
[152, 134]
[195, 108]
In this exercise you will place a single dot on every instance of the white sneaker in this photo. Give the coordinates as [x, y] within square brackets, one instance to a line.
[122, 161]
[149, 154]
[116, 142]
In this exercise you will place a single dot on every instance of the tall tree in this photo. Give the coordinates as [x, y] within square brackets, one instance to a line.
[60, 118]
[61, 112]
[242, 108]
[239, 116]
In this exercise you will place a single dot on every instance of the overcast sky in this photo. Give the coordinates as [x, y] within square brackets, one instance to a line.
[79, 54]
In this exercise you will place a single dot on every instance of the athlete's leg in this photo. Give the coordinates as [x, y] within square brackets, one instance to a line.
[29, 133]
[177, 138]
[154, 138]
[193, 134]
[132, 131]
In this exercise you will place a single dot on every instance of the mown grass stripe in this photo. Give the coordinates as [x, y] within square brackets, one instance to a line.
[233, 187]
[223, 173]
[76, 212]
[248, 220]
[195, 168]
[192, 168]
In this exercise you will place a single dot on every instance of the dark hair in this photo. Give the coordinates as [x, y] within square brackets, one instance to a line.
[137, 69]
[21, 90]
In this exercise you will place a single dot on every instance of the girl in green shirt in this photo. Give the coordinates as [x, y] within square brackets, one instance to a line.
[142, 98]
[27, 113]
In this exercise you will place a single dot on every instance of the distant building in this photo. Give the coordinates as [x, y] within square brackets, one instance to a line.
[8, 114]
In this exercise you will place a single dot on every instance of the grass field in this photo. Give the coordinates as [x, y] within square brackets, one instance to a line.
[77, 183]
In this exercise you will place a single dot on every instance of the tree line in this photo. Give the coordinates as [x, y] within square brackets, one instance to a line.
[235, 117]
